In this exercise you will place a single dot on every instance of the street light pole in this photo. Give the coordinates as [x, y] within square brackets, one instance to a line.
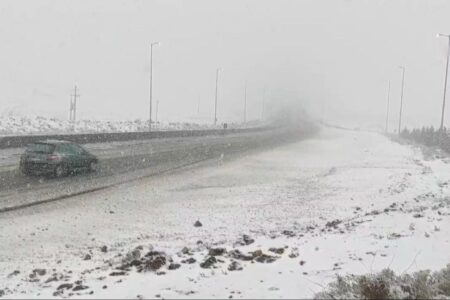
[387, 110]
[215, 101]
[151, 84]
[263, 108]
[401, 99]
[156, 113]
[445, 84]
[245, 103]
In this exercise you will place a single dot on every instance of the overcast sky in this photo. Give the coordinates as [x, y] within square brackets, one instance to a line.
[334, 54]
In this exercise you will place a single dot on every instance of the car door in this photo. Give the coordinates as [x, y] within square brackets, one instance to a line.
[68, 155]
[83, 157]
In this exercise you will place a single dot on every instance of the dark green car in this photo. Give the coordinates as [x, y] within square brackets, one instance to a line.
[58, 158]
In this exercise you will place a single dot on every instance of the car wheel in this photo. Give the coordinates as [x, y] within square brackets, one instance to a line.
[60, 171]
[93, 166]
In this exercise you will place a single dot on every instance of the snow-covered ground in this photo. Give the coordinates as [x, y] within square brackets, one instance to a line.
[342, 202]
[15, 125]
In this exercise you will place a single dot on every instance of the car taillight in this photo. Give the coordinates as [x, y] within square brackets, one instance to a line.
[53, 157]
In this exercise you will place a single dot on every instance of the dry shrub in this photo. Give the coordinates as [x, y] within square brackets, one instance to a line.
[387, 285]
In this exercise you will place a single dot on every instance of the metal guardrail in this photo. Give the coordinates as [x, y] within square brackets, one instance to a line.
[22, 141]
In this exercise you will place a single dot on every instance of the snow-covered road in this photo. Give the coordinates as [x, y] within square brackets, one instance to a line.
[126, 161]
[341, 202]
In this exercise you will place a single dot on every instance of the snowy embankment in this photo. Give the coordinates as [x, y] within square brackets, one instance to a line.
[279, 224]
[40, 125]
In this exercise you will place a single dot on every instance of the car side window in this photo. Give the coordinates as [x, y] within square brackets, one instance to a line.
[78, 150]
[67, 149]
[72, 149]
[63, 149]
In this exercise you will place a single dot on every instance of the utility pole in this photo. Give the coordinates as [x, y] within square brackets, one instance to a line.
[215, 101]
[387, 110]
[245, 103]
[445, 84]
[401, 100]
[70, 108]
[151, 84]
[73, 105]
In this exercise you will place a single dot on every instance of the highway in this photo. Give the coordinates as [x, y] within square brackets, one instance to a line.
[126, 161]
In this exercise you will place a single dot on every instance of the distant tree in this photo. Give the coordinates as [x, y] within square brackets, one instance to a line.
[405, 133]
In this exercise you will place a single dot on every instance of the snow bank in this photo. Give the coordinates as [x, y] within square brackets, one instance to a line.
[13, 125]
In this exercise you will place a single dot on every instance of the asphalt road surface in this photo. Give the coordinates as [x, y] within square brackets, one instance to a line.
[125, 161]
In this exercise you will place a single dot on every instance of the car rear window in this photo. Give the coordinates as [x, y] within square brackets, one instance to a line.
[41, 148]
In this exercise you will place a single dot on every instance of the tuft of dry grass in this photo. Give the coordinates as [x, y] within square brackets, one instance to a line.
[387, 285]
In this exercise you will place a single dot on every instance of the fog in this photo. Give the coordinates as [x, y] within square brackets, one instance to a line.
[335, 57]
[264, 169]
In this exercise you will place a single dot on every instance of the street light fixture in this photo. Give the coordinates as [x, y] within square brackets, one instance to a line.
[446, 74]
[151, 83]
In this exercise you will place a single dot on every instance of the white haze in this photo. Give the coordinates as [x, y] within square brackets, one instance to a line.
[335, 57]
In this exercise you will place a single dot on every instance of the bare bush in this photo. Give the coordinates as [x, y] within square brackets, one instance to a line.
[387, 285]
